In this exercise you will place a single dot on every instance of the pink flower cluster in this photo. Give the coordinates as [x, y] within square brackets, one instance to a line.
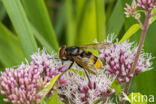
[130, 10]
[80, 91]
[147, 4]
[23, 84]
[49, 65]
[119, 59]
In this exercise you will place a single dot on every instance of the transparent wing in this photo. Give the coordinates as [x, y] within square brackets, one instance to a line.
[96, 46]
[84, 63]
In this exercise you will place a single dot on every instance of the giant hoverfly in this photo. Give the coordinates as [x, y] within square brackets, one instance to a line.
[82, 58]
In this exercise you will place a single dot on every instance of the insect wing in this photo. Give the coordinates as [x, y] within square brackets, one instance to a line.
[83, 62]
[97, 45]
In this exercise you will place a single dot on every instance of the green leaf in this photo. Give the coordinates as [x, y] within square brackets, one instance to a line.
[137, 98]
[49, 86]
[60, 22]
[11, 52]
[81, 6]
[2, 11]
[116, 86]
[71, 25]
[108, 1]
[117, 19]
[132, 30]
[87, 28]
[21, 25]
[100, 20]
[54, 99]
[42, 40]
[152, 19]
[39, 18]
[109, 9]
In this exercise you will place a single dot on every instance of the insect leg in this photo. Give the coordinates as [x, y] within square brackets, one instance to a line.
[85, 72]
[68, 68]
[87, 75]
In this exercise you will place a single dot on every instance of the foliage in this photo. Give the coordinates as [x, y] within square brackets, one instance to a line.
[27, 25]
[48, 87]
[117, 87]
[131, 31]
[54, 99]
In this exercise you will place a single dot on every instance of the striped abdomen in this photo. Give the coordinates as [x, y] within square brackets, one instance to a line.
[91, 60]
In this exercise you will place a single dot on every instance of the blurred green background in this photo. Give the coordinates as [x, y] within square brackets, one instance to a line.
[26, 25]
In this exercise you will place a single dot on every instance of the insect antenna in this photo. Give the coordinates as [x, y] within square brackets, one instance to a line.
[53, 58]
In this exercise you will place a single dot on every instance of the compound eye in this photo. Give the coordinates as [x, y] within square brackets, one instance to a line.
[58, 52]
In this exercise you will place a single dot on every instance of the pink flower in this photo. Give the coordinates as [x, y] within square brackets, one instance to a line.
[119, 59]
[23, 85]
[130, 10]
[80, 91]
[49, 65]
[147, 4]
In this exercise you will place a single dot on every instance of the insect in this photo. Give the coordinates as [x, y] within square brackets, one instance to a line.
[86, 60]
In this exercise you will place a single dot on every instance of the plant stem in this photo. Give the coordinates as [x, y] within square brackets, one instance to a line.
[140, 23]
[145, 27]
